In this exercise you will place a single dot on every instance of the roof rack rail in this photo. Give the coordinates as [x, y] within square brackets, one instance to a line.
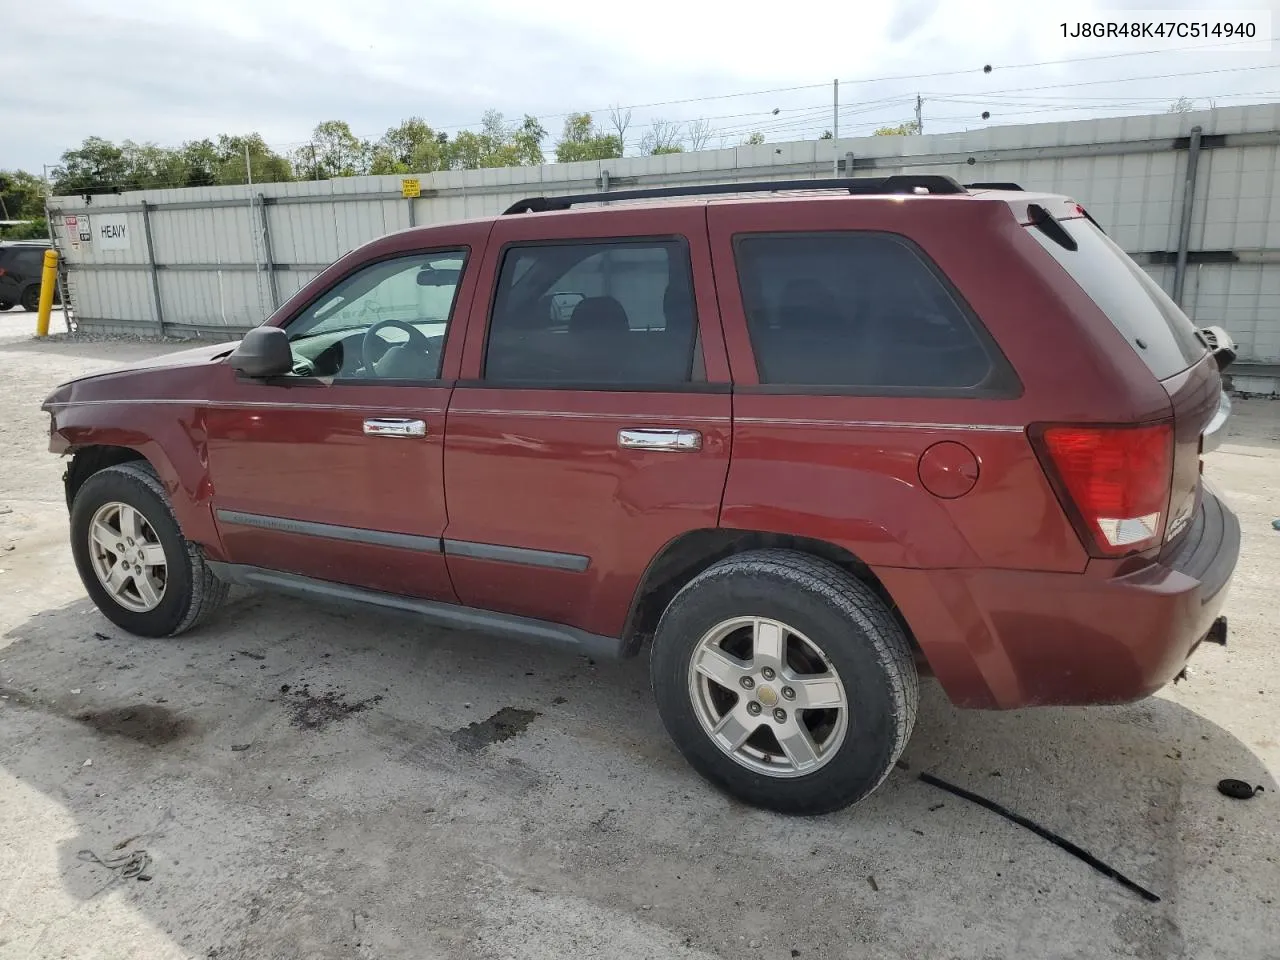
[909, 184]
[997, 185]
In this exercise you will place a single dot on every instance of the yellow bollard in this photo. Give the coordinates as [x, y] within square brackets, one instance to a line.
[48, 283]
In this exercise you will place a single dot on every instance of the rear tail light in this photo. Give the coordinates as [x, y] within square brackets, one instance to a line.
[1113, 480]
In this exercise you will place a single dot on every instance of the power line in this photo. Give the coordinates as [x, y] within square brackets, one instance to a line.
[885, 79]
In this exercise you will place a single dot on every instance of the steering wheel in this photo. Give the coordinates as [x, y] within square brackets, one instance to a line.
[416, 339]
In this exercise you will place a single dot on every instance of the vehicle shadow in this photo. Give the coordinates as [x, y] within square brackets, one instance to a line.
[311, 783]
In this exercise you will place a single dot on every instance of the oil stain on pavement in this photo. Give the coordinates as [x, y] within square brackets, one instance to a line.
[503, 725]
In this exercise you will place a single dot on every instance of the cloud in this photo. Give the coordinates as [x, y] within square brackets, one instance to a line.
[152, 70]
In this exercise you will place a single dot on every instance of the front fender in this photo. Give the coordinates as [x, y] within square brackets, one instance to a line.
[172, 438]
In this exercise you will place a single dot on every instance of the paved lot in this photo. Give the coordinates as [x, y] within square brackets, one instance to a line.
[357, 821]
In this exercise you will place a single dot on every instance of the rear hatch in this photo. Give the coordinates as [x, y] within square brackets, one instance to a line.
[1158, 331]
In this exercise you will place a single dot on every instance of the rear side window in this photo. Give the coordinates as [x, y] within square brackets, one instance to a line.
[863, 312]
[28, 261]
[596, 313]
[1143, 313]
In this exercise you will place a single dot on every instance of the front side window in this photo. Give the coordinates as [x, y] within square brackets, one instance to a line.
[593, 312]
[387, 321]
[859, 311]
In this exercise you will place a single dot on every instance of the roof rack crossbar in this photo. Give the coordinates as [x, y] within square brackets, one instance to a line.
[908, 184]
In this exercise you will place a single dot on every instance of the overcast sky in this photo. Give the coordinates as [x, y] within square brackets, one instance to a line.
[157, 70]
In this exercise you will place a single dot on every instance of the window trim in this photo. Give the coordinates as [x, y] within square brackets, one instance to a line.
[450, 323]
[1001, 383]
[693, 386]
[689, 385]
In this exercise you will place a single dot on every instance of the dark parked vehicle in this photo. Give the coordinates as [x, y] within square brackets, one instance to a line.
[21, 266]
[800, 441]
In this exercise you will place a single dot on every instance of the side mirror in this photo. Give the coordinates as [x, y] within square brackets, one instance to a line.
[264, 352]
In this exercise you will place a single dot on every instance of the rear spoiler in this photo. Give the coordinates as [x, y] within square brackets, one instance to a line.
[1220, 344]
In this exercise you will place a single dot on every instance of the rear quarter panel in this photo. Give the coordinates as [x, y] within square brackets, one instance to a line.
[843, 467]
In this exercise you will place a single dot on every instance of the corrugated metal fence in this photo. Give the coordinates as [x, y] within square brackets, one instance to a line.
[214, 261]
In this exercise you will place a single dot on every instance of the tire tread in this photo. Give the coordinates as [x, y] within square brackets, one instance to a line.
[207, 591]
[852, 599]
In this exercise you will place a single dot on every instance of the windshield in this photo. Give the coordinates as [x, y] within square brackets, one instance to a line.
[1153, 324]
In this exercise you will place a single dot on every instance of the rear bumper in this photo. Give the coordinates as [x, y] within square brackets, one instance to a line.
[1001, 638]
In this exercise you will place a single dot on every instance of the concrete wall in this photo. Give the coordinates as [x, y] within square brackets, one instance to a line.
[225, 256]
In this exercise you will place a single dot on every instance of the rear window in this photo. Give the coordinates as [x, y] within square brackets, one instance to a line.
[1143, 313]
[27, 260]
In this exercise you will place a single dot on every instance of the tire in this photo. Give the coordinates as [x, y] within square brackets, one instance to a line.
[6, 305]
[839, 644]
[31, 298]
[181, 595]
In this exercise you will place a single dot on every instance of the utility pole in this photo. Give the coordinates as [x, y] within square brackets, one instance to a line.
[248, 171]
[835, 127]
[919, 121]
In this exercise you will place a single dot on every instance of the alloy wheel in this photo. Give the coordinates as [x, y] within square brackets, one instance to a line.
[768, 696]
[127, 557]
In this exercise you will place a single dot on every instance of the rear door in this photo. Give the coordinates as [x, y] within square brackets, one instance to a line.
[591, 425]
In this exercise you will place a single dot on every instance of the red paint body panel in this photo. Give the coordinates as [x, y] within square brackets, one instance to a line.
[542, 469]
[994, 581]
[1013, 638]
[304, 456]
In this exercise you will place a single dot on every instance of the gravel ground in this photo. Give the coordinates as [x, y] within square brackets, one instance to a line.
[310, 784]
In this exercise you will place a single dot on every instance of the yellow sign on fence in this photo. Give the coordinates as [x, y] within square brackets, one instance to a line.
[410, 187]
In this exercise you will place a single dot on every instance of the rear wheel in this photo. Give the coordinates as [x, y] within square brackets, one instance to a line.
[785, 681]
[132, 558]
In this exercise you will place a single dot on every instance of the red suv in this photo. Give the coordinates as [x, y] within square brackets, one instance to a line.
[802, 445]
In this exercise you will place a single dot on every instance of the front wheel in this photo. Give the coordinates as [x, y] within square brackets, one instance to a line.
[6, 305]
[132, 558]
[785, 681]
[31, 298]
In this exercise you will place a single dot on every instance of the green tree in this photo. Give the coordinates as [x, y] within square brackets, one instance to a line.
[200, 160]
[150, 167]
[754, 139]
[96, 165]
[37, 229]
[411, 147]
[498, 144]
[582, 140]
[334, 151]
[265, 164]
[907, 129]
[22, 198]
[663, 137]
[21, 195]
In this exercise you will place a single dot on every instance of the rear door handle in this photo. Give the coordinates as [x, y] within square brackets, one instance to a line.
[655, 438]
[394, 427]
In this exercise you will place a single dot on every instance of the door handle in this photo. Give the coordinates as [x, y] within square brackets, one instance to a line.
[654, 438]
[394, 427]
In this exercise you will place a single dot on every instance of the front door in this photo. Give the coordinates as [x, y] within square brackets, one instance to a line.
[592, 424]
[336, 472]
